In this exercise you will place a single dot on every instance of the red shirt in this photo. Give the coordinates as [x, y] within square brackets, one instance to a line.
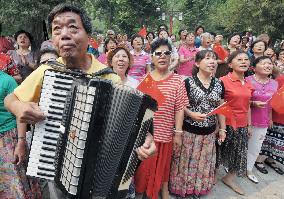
[8, 65]
[240, 94]
[5, 45]
[276, 117]
[173, 88]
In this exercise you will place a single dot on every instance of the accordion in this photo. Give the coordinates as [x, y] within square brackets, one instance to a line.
[87, 142]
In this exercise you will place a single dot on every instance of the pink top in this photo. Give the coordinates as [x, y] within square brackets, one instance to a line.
[262, 92]
[140, 62]
[186, 67]
[103, 59]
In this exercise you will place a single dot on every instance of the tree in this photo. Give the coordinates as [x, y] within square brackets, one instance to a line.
[128, 15]
[27, 15]
[236, 16]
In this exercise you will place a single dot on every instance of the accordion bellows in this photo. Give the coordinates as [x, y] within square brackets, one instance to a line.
[87, 143]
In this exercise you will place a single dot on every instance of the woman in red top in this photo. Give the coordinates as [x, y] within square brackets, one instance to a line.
[238, 90]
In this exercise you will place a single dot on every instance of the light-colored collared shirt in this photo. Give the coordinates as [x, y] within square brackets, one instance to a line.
[29, 90]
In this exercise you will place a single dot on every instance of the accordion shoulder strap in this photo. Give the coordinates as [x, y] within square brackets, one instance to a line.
[56, 65]
[104, 71]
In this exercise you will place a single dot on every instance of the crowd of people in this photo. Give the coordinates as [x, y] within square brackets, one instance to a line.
[196, 75]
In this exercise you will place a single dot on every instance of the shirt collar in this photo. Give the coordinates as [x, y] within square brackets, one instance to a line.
[234, 78]
[142, 53]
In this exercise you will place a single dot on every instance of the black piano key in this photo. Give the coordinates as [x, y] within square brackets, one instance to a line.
[45, 174]
[61, 88]
[52, 125]
[58, 95]
[56, 107]
[57, 100]
[46, 161]
[49, 138]
[52, 131]
[48, 148]
[53, 118]
[55, 113]
[45, 169]
[63, 77]
[61, 82]
[49, 143]
[46, 156]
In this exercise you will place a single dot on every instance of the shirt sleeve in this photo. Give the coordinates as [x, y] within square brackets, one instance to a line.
[29, 90]
[148, 60]
[11, 85]
[223, 90]
[12, 68]
[181, 98]
[181, 51]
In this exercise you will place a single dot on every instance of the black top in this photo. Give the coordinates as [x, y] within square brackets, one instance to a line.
[203, 100]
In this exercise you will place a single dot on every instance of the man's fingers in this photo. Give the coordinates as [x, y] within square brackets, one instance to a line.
[141, 155]
[16, 159]
[21, 158]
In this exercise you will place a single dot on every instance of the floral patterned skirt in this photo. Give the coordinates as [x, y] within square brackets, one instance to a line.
[273, 144]
[233, 152]
[14, 184]
[193, 165]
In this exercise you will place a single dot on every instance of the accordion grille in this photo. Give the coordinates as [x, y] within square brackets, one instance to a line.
[124, 108]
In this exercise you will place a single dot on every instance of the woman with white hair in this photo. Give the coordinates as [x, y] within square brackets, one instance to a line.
[206, 41]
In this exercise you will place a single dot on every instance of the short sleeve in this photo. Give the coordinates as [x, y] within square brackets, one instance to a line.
[181, 51]
[11, 85]
[29, 90]
[181, 98]
[148, 60]
[187, 86]
[223, 90]
[12, 68]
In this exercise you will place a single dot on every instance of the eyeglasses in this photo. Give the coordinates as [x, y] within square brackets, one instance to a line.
[160, 53]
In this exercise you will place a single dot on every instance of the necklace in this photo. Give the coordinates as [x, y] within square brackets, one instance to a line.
[205, 83]
[261, 81]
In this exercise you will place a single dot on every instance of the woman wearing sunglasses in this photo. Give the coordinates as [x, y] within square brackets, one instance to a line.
[153, 173]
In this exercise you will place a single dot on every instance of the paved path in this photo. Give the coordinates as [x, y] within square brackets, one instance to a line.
[271, 186]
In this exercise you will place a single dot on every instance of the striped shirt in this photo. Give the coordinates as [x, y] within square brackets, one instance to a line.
[173, 88]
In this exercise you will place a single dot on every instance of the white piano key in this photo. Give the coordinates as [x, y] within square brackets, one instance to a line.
[42, 167]
[38, 153]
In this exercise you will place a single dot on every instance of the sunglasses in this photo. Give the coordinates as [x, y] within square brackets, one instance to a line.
[160, 53]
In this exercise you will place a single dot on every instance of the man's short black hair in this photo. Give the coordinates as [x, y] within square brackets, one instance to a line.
[65, 7]
[160, 42]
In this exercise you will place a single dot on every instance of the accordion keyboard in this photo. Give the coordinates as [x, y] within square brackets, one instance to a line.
[81, 116]
[53, 94]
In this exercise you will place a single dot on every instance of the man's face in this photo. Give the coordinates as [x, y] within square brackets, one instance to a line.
[69, 35]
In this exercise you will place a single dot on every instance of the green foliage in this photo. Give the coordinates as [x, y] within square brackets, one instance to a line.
[220, 16]
[261, 16]
[128, 15]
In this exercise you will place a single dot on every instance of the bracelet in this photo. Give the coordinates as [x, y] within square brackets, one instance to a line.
[178, 131]
[21, 138]
[223, 130]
